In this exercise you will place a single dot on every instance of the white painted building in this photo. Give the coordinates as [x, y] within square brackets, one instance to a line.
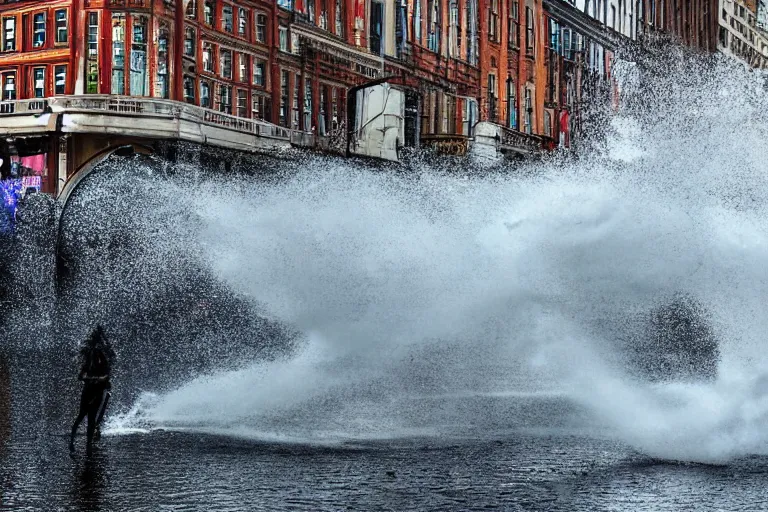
[762, 14]
[739, 34]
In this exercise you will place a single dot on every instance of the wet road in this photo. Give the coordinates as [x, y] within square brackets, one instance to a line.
[560, 469]
[173, 471]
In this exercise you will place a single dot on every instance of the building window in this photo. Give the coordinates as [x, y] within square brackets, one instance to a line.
[242, 67]
[242, 22]
[528, 111]
[261, 27]
[225, 63]
[492, 107]
[242, 103]
[375, 27]
[139, 75]
[227, 22]
[38, 82]
[433, 25]
[9, 34]
[472, 31]
[294, 43]
[38, 36]
[257, 109]
[322, 111]
[417, 19]
[322, 21]
[514, 25]
[9, 86]
[162, 89]
[470, 116]
[307, 105]
[209, 11]
[259, 72]
[92, 65]
[530, 41]
[60, 75]
[189, 89]
[191, 12]
[453, 30]
[295, 104]
[511, 104]
[208, 57]
[284, 85]
[62, 31]
[334, 109]
[401, 27]
[189, 42]
[310, 10]
[118, 54]
[205, 94]
[339, 17]
[225, 99]
[493, 21]
[283, 39]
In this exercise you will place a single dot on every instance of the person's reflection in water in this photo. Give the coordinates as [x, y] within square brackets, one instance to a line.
[90, 482]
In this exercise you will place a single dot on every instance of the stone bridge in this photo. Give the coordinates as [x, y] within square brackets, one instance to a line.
[75, 133]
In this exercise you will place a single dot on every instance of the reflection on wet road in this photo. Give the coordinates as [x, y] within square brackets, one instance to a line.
[186, 471]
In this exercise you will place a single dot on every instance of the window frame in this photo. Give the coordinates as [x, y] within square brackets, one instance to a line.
[15, 38]
[264, 32]
[56, 68]
[223, 26]
[33, 82]
[56, 40]
[43, 16]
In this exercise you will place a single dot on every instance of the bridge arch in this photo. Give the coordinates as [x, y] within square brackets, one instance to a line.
[93, 161]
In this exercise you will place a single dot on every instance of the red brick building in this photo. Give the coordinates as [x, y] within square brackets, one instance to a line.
[510, 63]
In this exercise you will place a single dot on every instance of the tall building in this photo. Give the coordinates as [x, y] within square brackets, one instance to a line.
[740, 35]
[513, 73]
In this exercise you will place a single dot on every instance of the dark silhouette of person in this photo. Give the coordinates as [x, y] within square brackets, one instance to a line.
[95, 374]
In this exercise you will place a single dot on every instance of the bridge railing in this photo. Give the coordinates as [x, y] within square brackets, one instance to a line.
[145, 107]
[23, 106]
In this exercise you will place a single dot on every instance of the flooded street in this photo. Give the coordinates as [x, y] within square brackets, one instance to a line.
[529, 467]
[183, 471]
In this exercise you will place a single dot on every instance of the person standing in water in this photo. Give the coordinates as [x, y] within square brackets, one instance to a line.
[95, 374]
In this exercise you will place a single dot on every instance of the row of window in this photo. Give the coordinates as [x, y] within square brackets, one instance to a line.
[246, 24]
[294, 111]
[318, 12]
[234, 65]
[460, 45]
[42, 81]
[512, 105]
[47, 28]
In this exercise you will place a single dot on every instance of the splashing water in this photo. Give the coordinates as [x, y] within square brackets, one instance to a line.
[531, 281]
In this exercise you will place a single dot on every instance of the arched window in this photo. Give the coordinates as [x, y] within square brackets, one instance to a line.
[161, 89]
